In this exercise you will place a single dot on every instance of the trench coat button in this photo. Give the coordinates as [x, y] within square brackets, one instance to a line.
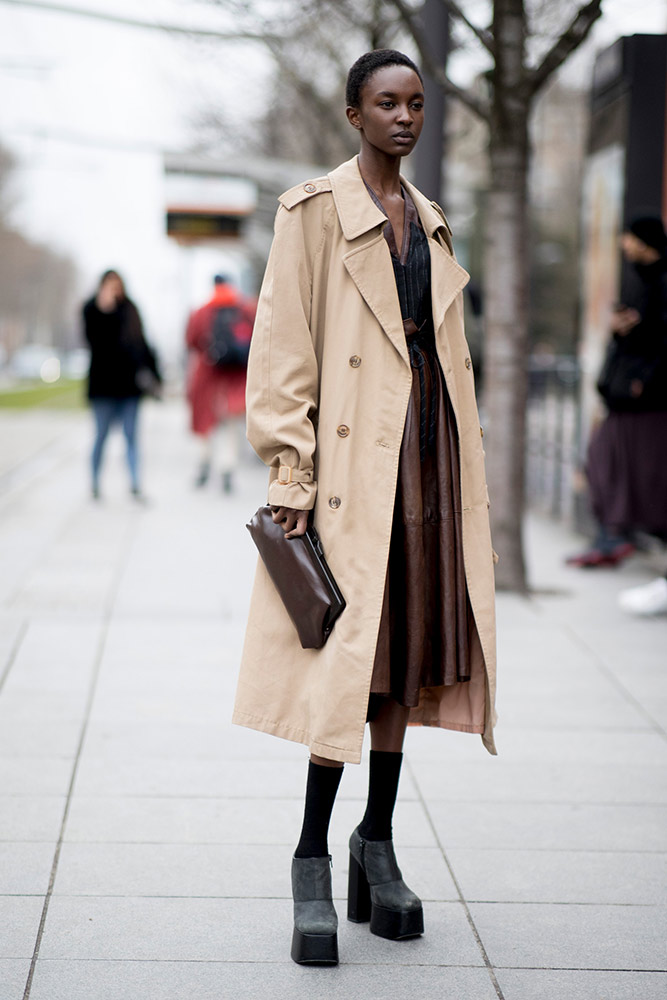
[481, 432]
[355, 361]
[342, 431]
[468, 363]
[334, 502]
[309, 188]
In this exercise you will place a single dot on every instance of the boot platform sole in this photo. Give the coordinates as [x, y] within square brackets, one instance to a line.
[314, 949]
[396, 925]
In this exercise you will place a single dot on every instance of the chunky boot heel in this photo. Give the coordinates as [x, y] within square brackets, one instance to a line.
[395, 911]
[315, 937]
[358, 894]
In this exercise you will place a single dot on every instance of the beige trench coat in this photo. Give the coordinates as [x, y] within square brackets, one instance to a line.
[328, 384]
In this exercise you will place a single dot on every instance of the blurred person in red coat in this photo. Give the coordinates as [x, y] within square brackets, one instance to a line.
[218, 338]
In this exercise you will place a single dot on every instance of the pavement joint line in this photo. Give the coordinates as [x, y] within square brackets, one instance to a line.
[105, 622]
[20, 477]
[614, 681]
[339, 897]
[269, 845]
[260, 961]
[13, 653]
[457, 886]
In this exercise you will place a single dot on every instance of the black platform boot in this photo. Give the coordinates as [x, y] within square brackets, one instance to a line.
[315, 938]
[377, 892]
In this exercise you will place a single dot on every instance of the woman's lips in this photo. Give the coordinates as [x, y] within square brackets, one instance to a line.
[403, 138]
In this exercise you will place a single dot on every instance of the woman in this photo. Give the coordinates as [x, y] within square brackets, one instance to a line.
[359, 316]
[122, 368]
[627, 454]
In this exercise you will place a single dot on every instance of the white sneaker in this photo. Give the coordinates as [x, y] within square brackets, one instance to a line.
[651, 599]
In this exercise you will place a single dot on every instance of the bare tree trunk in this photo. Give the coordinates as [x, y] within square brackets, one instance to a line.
[429, 152]
[505, 294]
[505, 356]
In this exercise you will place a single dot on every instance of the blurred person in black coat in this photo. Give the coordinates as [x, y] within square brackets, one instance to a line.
[122, 369]
[627, 455]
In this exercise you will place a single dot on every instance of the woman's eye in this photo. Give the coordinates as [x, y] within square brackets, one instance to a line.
[417, 106]
[387, 104]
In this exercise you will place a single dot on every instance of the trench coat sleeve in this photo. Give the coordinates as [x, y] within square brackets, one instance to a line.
[282, 385]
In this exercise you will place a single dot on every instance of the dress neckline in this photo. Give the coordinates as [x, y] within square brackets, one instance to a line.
[410, 215]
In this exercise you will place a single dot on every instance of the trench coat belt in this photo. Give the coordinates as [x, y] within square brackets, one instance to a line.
[422, 357]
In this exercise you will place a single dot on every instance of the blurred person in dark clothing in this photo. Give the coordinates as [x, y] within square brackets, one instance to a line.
[122, 369]
[218, 338]
[627, 455]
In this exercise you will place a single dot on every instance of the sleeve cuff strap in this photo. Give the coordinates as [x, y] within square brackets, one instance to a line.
[299, 495]
[286, 474]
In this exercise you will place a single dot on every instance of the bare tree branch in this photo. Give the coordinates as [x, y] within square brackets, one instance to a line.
[472, 101]
[132, 22]
[482, 34]
[304, 87]
[570, 40]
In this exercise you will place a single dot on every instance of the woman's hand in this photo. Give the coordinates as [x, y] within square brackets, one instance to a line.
[624, 319]
[294, 522]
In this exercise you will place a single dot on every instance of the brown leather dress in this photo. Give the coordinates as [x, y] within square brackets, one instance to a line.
[426, 623]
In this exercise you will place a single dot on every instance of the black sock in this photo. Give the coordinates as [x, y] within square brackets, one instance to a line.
[321, 789]
[383, 773]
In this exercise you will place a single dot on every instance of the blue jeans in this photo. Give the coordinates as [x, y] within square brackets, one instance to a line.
[108, 412]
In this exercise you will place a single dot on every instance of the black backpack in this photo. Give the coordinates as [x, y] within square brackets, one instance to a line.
[225, 350]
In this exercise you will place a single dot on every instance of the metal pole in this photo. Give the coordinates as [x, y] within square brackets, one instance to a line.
[430, 151]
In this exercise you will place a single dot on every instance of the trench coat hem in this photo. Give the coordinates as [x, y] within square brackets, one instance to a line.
[456, 727]
[295, 736]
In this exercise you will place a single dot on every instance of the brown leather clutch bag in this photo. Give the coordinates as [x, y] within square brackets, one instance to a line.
[301, 576]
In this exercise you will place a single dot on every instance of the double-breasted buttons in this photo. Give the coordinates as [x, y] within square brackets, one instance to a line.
[310, 188]
[355, 361]
[335, 502]
[468, 363]
[343, 431]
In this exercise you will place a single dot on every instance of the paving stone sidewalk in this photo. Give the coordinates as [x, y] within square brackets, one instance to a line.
[145, 842]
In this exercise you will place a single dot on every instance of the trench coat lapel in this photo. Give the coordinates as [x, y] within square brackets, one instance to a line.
[368, 262]
[371, 270]
[448, 278]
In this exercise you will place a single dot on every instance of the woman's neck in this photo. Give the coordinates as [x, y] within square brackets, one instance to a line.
[381, 172]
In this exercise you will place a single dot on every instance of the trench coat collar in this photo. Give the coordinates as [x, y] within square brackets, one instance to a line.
[358, 213]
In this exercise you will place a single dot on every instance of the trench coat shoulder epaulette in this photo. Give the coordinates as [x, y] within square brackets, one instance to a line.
[307, 189]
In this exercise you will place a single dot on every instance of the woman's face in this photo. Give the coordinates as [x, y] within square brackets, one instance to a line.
[391, 113]
[112, 288]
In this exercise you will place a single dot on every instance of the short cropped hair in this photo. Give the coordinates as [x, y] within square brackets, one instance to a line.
[368, 64]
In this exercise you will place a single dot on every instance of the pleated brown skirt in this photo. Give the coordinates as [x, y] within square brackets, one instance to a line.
[426, 621]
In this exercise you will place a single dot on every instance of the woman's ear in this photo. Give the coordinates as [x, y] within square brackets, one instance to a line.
[353, 117]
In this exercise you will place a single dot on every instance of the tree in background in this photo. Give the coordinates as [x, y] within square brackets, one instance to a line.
[524, 48]
[36, 284]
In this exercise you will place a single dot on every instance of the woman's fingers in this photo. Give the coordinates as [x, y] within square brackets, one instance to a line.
[278, 514]
[300, 524]
[293, 522]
